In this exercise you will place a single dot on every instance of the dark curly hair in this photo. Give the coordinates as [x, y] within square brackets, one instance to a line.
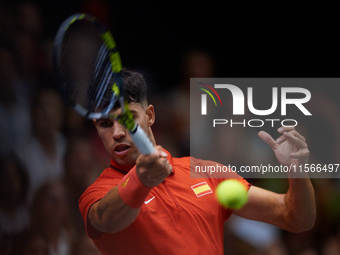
[134, 89]
[134, 86]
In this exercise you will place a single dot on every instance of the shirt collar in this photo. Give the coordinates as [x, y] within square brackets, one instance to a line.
[125, 169]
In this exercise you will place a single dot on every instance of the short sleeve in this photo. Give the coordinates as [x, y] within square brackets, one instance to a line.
[91, 195]
[228, 212]
[217, 176]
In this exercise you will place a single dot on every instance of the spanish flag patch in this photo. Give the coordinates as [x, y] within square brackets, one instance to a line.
[201, 189]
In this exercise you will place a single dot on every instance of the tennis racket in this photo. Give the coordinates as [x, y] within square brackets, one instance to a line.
[88, 70]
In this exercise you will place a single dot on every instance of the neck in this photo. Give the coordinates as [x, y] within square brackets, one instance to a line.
[119, 168]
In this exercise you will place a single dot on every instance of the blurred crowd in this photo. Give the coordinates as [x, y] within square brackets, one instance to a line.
[49, 155]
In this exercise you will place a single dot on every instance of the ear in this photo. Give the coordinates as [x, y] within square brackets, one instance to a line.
[150, 113]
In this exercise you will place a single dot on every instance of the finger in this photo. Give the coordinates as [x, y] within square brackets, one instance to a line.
[300, 153]
[282, 138]
[161, 152]
[285, 129]
[267, 139]
[148, 159]
[295, 140]
[166, 164]
[297, 134]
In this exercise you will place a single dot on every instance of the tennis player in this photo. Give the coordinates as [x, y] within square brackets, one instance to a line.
[148, 204]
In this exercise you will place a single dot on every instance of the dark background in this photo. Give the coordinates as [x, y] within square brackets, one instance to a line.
[245, 40]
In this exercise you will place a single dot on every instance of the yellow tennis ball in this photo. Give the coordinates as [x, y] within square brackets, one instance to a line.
[232, 194]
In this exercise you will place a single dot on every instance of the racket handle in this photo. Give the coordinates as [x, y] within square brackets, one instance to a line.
[142, 141]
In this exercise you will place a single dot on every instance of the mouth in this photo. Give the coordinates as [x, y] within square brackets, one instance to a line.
[121, 149]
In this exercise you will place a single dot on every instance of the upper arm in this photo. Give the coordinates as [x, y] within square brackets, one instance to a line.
[93, 229]
[265, 206]
[111, 214]
[93, 218]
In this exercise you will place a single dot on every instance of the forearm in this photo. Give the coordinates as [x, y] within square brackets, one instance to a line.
[111, 214]
[121, 205]
[300, 209]
[293, 211]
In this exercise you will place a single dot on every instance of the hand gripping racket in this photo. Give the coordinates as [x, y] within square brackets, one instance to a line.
[88, 70]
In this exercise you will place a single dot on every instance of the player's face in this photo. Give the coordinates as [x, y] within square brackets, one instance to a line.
[116, 138]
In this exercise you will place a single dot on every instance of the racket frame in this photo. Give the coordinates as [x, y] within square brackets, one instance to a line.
[126, 119]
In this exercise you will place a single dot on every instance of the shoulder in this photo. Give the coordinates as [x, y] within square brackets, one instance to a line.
[188, 161]
[192, 162]
[181, 162]
[108, 179]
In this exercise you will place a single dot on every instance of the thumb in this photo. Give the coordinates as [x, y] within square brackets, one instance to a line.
[144, 160]
[161, 153]
[267, 139]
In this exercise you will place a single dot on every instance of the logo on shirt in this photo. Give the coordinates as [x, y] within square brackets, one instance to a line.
[146, 202]
[201, 189]
[124, 183]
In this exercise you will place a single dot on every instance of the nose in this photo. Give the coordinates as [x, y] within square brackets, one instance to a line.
[118, 131]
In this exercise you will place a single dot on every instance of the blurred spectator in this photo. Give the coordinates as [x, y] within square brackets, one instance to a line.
[75, 125]
[174, 121]
[51, 215]
[27, 42]
[98, 8]
[44, 154]
[84, 245]
[237, 246]
[30, 242]
[332, 243]
[260, 235]
[81, 170]
[14, 212]
[196, 64]
[27, 50]
[15, 121]
[29, 19]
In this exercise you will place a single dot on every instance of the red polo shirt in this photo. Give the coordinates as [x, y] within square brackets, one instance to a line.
[179, 216]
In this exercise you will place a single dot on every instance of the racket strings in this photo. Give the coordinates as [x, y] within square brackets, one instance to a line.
[104, 81]
[85, 67]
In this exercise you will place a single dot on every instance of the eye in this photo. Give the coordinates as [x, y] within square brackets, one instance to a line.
[105, 123]
[134, 114]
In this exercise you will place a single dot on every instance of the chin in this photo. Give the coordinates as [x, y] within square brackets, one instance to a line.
[127, 160]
